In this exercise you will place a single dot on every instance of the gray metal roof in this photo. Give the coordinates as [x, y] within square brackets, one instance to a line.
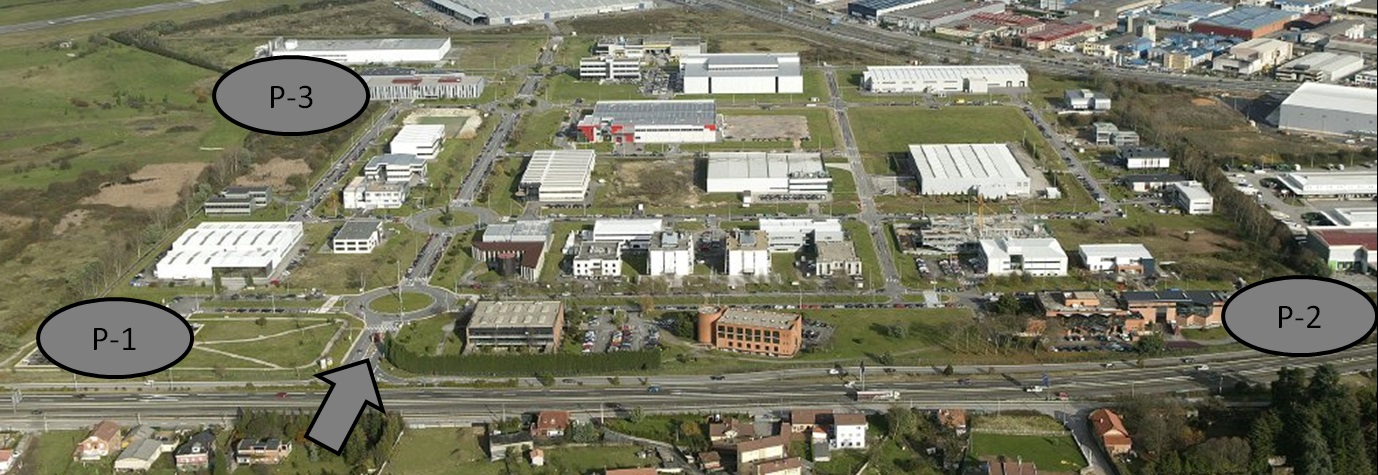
[535, 8]
[394, 159]
[699, 112]
[888, 4]
[725, 165]
[1249, 18]
[559, 168]
[517, 231]
[741, 65]
[366, 44]
[1194, 9]
[518, 314]
[358, 230]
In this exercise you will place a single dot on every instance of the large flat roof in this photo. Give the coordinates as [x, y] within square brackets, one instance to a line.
[728, 165]
[1031, 249]
[697, 112]
[358, 230]
[424, 134]
[515, 314]
[562, 169]
[965, 161]
[394, 159]
[1356, 217]
[364, 44]
[518, 231]
[605, 228]
[1357, 100]
[1325, 61]
[759, 318]
[741, 64]
[1194, 9]
[239, 235]
[1250, 18]
[1133, 251]
[799, 225]
[889, 74]
[1310, 183]
[836, 251]
[1192, 190]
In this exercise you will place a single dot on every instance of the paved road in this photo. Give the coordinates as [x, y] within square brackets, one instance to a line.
[473, 181]
[870, 214]
[441, 404]
[106, 15]
[342, 164]
[1070, 158]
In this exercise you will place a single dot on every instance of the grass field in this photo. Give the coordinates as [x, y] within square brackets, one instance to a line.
[288, 351]
[426, 337]
[870, 264]
[565, 89]
[360, 20]
[889, 130]
[537, 130]
[343, 273]
[408, 302]
[560, 230]
[1048, 453]
[243, 326]
[23, 11]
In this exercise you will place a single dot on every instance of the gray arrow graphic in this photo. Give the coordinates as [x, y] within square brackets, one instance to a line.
[351, 388]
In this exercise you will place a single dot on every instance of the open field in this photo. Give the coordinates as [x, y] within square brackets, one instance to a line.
[1050, 453]
[428, 337]
[487, 54]
[537, 130]
[1210, 253]
[344, 273]
[84, 29]
[244, 326]
[822, 126]
[405, 302]
[24, 11]
[565, 88]
[363, 19]
[882, 132]
[290, 350]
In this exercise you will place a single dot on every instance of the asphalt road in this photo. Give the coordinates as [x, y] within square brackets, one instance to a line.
[342, 164]
[106, 15]
[455, 405]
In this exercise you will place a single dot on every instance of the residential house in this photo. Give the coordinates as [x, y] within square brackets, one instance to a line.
[1178, 308]
[788, 466]
[848, 431]
[761, 449]
[140, 451]
[196, 454]
[103, 440]
[818, 442]
[537, 457]
[730, 429]
[266, 451]
[955, 419]
[804, 420]
[1110, 430]
[550, 424]
[498, 444]
[631, 471]
[710, 461]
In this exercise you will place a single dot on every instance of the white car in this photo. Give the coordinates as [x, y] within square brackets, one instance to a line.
[1033, 389]
[1202, 367]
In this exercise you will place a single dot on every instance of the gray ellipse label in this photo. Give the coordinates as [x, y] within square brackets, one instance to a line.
[114, 338]
[291, 95]
[1299, 316]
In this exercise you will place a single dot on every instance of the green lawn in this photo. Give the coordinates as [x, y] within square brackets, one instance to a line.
[290, 350]
[565, 89]
[537, 130]
[1218, 333]
[460, 451]
[560, 230]
[425, 336]
[890, 130]
[245, 326]
[401, 302]
[23, 11]
[866, 250]
[500, 188]
[1049, 453]
[343, 273]
[477, 53]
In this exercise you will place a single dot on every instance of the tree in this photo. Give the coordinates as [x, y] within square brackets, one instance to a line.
[1007, 304]
[1263, 438]
[261, 321]
[902, 421]
[948, 371]
[1150, 345]
[637, 415]
[1314, 458]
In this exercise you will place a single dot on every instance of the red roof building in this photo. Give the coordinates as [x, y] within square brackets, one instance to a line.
[1347, 249]
[1054, 33]
[550, 424]
[1110, 429]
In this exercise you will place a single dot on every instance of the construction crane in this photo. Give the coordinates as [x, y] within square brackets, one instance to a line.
[981, 210]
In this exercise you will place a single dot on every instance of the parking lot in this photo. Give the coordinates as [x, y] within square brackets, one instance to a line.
[602, 334]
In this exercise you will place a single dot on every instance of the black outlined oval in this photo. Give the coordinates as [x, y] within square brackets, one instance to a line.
[1323, 316]
[140, 338]
[333, 94]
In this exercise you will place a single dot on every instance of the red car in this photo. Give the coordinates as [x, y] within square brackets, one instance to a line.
[282, 395]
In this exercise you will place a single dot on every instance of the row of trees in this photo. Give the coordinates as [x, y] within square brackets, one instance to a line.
[549, 364]
[366, 448]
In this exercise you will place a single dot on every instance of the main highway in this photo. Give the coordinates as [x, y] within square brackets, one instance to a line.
[766, 391]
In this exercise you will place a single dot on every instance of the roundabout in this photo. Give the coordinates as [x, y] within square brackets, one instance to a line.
[402, 301]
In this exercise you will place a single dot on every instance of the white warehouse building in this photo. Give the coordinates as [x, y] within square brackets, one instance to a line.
[671, 254]
[506, 12]
[401, 84]
[362, 51]
[1330, 109]
[247, 248]
[959, 169]
[422, 140]
[651, 122]
[1356, 184]
[742, 73]
[557, 176]
[634, 233]
[1191, 197]
[1124, 258]
[791, 234]
[395, 168]
[1042, 257]
[960, 78]
[767, 172]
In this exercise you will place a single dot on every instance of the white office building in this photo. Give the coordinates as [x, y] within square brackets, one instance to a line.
[357, 237]
[1330, 109]
[767, 173]
[742, 73]
[962, 169]
[632, 233]
[1087, 100]
[422, 140]
[748, 253]
[248, 248]
[609, 68]
[400, 84]
[791, 234]
[640, 46]
[1142, 158]
[832, 257]
[1191, 197]
[957, 78]
[362, 51]
[598, 259]
[1041, 257]
[671, 254]
[651, 122]
[1320, 67]
[1125, 258]
[365, 194]
[1352, 184]
[557, 176]
[395, 168]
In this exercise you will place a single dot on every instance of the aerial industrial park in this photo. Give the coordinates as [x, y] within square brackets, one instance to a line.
[627, 237]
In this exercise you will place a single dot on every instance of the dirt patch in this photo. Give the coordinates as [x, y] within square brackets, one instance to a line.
[765, 127]
[70, 220]
[1202, 101]
[459, 123]
[9, 221]
[274, 173]
[152, 187]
